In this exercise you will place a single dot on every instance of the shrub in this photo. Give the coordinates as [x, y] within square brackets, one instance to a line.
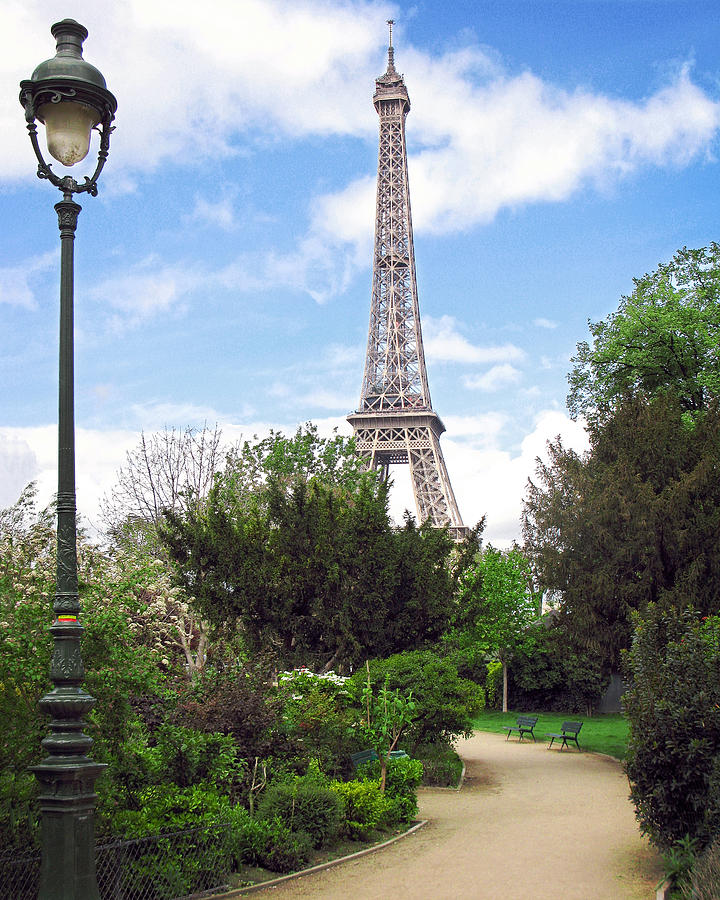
[304, 805]
[268, 843]
[19, 818]
[548, 672]
[442, 767]
[445, 703]
[365, 807]
[673, 708]
[186, 756]
[167, 807]
[239, 702]
[402, 779]
[316, 714]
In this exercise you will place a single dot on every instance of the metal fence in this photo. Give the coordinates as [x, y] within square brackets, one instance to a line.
[162, 867]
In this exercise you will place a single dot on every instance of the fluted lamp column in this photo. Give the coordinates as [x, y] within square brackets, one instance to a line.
[70, 98]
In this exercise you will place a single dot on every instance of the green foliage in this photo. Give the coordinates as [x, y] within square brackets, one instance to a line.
[317, 714]
[167, 807]
[365, 807]
[551, 672]
[442, 767]
[19, 818]
[495, 600]
[444, 702]
[633, 521]
[402, 778]
[386, 714]
[495, 604]
[673, 708]
[268, 843]
[305, 559]
[305, 804]
[237, 700]
[663, 337]
[679, 860]
[494, 685]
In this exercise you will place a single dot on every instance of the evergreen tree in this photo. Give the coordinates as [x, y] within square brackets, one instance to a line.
[635, 520]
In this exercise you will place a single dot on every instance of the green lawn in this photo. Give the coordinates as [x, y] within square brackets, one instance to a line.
[602, 734]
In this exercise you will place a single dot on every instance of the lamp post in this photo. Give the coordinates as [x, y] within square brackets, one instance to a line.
[69, 97]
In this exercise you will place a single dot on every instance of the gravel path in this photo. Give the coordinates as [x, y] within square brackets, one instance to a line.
[528, 823]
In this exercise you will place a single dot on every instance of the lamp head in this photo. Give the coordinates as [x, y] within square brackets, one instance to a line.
[68, 95]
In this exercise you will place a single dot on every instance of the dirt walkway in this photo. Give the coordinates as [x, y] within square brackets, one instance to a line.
[529, 822]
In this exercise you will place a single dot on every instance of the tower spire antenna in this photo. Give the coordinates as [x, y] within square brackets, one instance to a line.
[391, 51]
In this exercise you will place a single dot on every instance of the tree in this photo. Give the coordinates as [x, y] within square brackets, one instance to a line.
[297, 547]
[664, 336]
[632, 521]
[170, 469]
[496, 603]
[386, 715]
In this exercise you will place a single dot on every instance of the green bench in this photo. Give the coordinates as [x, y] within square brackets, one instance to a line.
[366, 756]
[568, 732]
[525, 725]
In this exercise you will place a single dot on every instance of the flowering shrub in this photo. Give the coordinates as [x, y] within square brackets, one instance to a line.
[317, 712]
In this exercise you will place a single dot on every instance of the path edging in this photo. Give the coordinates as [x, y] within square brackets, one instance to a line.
[252, 889]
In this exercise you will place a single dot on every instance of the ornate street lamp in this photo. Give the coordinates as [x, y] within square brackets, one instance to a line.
[69, 97]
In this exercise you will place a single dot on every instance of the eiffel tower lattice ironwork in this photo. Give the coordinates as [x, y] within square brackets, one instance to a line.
[396, 423]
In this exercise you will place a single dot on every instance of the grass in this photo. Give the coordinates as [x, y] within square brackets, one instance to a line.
[601, 734]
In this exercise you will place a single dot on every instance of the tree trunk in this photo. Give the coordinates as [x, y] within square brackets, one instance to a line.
[505, 686]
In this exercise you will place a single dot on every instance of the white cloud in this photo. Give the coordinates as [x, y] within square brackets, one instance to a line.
[490, 481]
[444, 343]
[266, 68]
[545, 323]
[16, 281]
[486, 479]
[18, 465]
[220, 214]
[494, 379]
[144, 291]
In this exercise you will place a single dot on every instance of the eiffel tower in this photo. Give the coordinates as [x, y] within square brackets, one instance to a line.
[396, 423]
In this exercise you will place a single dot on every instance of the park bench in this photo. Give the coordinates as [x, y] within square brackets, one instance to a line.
[568, 732]
[525, 725]
[365, 756]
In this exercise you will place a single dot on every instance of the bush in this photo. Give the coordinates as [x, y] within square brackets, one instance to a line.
[365, 807]
[167, 807]
[548, 672]
[268, 843]
[316, 714]
[442, 767]
[235, 701]
[19, 817]
[673, 708]
[304, 805]
[401, 782]
[445, 703]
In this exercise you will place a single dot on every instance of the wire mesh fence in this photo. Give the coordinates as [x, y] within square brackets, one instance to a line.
[167, 866]
[19, 875]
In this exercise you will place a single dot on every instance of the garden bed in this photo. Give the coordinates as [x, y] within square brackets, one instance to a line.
[253, 878]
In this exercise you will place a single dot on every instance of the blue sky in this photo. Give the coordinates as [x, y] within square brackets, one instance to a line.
[556, 151]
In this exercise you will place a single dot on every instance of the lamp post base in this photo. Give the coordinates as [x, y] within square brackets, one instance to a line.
[67, 803]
